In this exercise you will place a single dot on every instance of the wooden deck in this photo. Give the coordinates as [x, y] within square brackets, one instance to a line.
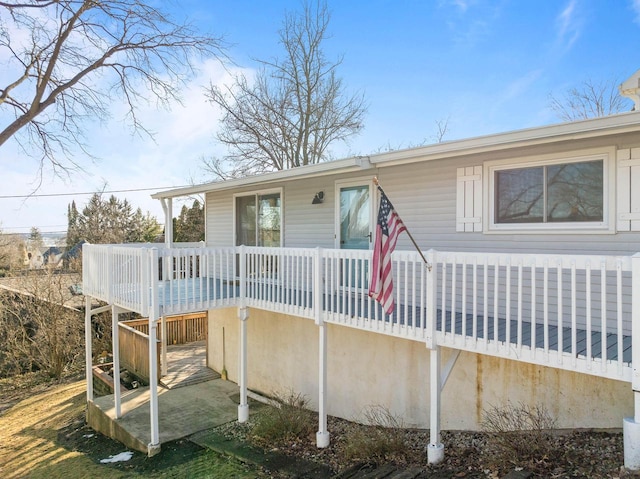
[187, 365]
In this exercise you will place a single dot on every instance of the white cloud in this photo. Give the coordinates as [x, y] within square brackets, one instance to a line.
[569, 25]
[635, 6]
[520, 86]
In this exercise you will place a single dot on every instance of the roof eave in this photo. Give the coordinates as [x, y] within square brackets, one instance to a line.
[611, 125]
[310, 171]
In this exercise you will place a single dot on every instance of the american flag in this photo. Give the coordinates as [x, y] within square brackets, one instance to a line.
[388, 229]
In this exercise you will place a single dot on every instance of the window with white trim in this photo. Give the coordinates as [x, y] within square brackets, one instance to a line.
[554, 193]
[551, 193]
[258, 219]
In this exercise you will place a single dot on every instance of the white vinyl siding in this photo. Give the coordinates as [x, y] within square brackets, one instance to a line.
[425, 196]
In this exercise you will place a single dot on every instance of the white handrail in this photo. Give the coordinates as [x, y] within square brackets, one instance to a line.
[567, 311]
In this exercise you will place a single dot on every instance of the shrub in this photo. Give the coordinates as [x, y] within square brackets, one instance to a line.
[521, 435]
[289, 419]
[380, 439]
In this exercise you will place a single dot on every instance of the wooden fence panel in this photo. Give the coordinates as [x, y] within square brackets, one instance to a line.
[186, 328]
[134, 352]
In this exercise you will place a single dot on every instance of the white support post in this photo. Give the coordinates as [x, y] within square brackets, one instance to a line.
[631, 425]
[322, 436]
[88, 353]
[164, 345]
[435, 449]
[154, 446]
[167, 208]
[115, 342]
[243, 407]
[243, 314]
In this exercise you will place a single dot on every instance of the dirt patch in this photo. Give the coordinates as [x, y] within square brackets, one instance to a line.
[79, 437]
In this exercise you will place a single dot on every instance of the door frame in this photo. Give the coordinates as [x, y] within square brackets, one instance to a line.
[362, 181]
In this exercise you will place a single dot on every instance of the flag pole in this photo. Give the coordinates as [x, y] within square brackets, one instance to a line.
[377, 183]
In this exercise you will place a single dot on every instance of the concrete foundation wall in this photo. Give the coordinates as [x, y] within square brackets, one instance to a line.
[366, 369]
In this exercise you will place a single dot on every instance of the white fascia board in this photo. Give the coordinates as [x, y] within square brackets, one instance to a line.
[610, 125]
[319, 169]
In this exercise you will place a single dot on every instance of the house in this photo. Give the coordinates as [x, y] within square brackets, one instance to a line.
[527, 293]
[39, 257]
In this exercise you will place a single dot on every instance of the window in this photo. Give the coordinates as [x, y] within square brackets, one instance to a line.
[565, 192]
[258, 219]
[551, 193]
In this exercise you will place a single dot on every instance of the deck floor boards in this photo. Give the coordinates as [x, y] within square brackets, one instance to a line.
[180, 293]
[187, 365]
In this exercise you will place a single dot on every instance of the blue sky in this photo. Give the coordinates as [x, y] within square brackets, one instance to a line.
[486, 66]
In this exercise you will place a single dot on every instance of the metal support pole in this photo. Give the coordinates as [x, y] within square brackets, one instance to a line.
[115, 342]
[435, 449]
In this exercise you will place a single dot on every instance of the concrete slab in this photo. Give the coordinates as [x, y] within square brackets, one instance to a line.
[182, 412]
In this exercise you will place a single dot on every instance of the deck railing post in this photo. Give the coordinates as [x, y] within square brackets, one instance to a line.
[243, 315]
[435, 449]
[432, 310]
[115, 341]
[322, 436]
[154, 313]
[632, 424]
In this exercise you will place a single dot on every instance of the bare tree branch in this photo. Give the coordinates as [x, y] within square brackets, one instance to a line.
[79, 56]
[293, 111]
[590, 100]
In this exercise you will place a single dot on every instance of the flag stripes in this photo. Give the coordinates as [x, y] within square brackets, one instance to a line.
[388, 228]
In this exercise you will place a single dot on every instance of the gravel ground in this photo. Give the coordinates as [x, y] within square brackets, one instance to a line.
[574, 454]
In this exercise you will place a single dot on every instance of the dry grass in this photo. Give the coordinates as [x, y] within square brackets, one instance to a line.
[379, 440]
[290, 419]
[30, 445]
[28, 433]
[521, 435]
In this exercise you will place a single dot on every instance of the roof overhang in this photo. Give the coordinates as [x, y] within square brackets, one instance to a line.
[593, 128]
[320, 169]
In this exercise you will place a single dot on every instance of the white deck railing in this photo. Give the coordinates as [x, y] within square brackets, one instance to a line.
[567, 311]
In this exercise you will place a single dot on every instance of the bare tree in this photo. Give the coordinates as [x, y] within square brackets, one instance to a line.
[590, 100]
[293, 111]
[67, 60]
[39, 328]
[12, 253]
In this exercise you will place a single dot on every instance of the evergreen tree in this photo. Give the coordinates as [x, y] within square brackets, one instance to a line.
[73, 237]
[110, 221]
[189, 225]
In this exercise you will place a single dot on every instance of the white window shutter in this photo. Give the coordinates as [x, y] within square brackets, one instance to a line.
[469, 199]
[628, 189]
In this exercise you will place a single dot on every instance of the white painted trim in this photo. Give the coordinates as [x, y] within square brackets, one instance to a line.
[257, 193]
[607, 226]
